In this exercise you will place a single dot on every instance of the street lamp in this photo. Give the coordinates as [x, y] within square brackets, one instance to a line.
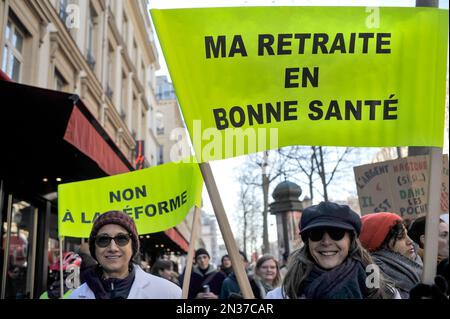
[287, 209]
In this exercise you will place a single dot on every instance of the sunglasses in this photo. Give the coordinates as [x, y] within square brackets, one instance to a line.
[120, 240]
[334, 233]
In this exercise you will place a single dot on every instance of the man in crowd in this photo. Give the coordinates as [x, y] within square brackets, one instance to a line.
[206, 281]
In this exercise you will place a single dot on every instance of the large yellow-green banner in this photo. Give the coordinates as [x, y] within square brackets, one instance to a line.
[255, 78]
[157, 198]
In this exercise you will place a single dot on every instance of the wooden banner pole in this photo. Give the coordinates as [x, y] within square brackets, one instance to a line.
[191, 251]
[225, 229]
[432, 218]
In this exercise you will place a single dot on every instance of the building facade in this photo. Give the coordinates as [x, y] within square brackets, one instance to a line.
[102, 53]
[102, 50]
[209, 237]
[171, 133]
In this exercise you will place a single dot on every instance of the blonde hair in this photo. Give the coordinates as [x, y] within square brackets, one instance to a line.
[261, 260]
[300, 264]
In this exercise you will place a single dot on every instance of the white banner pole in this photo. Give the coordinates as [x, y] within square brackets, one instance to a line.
[432, 218]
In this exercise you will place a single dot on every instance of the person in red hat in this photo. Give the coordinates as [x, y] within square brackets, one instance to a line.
[114, 243]
[385, 236]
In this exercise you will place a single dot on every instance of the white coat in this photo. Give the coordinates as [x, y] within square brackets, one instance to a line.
[145, 286]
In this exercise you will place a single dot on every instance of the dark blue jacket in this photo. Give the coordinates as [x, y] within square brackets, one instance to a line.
[230, 287]
[198, 280]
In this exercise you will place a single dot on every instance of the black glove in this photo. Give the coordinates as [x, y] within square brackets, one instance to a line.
[434, 291]
[235, 296]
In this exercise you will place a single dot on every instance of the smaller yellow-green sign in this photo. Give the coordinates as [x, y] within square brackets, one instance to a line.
[157, 198]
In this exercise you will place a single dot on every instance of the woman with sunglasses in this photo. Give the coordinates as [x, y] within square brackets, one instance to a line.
[114, 243]
[332, 263]
[385, 236]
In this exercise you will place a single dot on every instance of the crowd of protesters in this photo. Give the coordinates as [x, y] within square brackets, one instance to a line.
[342, 256]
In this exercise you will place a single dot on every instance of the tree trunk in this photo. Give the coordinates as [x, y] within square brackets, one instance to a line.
[310, 177]
[322, 175]
[265, 186]
[244, 235]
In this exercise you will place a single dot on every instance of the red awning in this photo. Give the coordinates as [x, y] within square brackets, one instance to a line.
[176, 237]
[81, 134]
[49, 136]
[4, 76]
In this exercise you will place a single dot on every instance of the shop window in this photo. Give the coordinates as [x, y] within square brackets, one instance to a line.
[19, 263]
[12, 57]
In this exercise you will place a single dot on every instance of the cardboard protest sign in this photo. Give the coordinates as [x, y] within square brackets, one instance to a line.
[157, 198]
[399, 186]
[250, 79]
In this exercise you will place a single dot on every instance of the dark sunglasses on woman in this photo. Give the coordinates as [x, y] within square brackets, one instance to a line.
[120, 240]
[334, 233]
